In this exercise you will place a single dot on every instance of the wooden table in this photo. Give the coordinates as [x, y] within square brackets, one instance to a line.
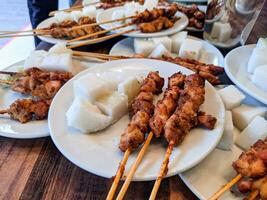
[35, 169]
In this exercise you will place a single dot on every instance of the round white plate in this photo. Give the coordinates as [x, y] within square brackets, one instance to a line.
[228, 44]
[107, 15]
[14, 129]
[98, 153]
[125, 48]
[46, 23]
[236, 68]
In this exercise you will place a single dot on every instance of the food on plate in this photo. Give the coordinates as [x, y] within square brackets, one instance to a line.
[141, 110]
[258, 58]
[190, 49]
[39, 83]
[35, 58]
[114, 105]
[256, 129]
[231, 97]
[25, 110]
[207, 57]
[166, 41]
[195, 15]
[221, 31]
[262, 43]
[143, 46]
[259, 77]
[91, 87]
[89, 11]
[159, 51]
[177, 40]
[86, 117]
[129, 87]
[213, 9]
[244, 114]
[252, 170]
[227, 139]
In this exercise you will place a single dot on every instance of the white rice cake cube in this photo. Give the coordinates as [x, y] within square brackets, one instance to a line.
[224, 18]
[89, 11]
[257, 58]
[35, 59]
[225, 32]
[208, 57]
[159, 51]
[244, 114]
[62, 16]
[92, 87]
[262, 43]
[177, 40]
[76, 15]
[260, 76]
[60, 48]
[227, 139]
[114, 105]
[130, 88]
[215, 32]
[190, 49]
[231, 97]
[86, 2]
[143, 46]
[257, 129]
[57, 62]
[86, 117]
[150, 4]
[166, 41]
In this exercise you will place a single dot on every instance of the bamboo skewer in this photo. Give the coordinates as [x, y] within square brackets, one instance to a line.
[23, 35]
[99, 23]
[100, 39]
[99, 55]
[98, 33]
[6, 82]
[52, 13]
[118, 175]
[163, 171]
[226, 187]
[9, 73]
[134, 166]
[4, 111]
[253, 195]
[17, 32]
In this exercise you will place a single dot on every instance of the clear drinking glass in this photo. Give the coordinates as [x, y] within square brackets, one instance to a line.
[228, 22]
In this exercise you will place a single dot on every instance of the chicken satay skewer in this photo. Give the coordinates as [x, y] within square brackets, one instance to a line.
[162, 112]
[253, 195]
[182, 120]
[141, 109]
[98, 33]
[6, 82]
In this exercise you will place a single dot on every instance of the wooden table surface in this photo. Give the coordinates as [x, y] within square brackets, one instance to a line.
[35, 169]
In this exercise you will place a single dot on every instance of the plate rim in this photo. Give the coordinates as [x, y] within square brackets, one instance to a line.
[149, 178]
[235, 81]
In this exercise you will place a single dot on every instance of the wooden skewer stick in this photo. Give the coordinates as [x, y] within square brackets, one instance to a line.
[226, 187]
[98, 55]
[100, 39]
[6, 82]
[23, 35]
[118, 175]
[134, 166]
[253, 195]
[98, 33]
[99, 23]
[9, 73]
[4, 111]
[52, 13]
[163, 171]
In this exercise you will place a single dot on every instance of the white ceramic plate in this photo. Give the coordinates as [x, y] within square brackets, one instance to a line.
[228, 44]
[107, 15]
[236, 69]
[46, 23]
[125, 47]
[216, 169]
[14, 129]
[99, 153]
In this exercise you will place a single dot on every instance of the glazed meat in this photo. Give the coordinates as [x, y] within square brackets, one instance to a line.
[253, 163]
[205, 120]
